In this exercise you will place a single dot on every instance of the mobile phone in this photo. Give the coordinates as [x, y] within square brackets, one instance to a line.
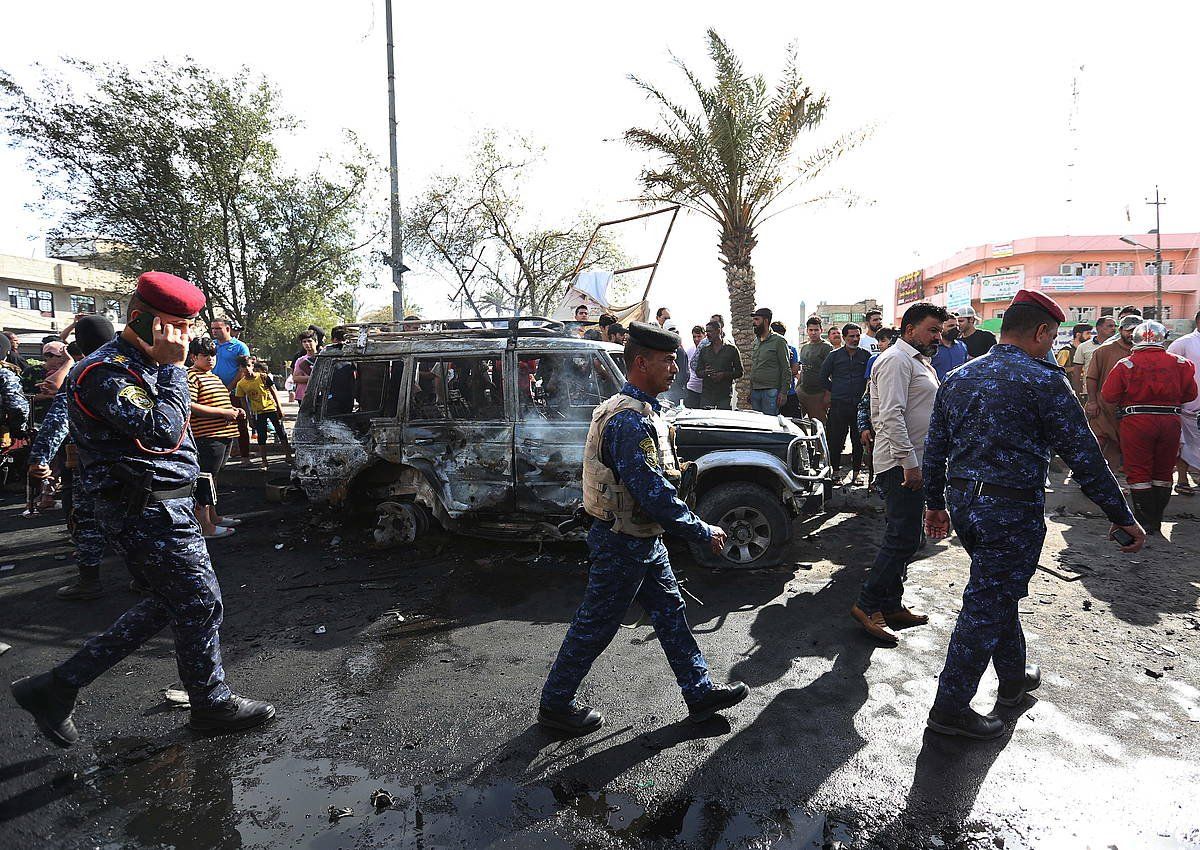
[1123, 537]
[143, 326]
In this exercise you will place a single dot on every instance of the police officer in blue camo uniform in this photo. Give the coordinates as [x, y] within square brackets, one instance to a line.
[128, 404]
[91, 332]
[629, 476]
[14, 407]
[996, 420]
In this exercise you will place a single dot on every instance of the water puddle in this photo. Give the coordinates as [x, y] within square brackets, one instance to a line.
[190, 796]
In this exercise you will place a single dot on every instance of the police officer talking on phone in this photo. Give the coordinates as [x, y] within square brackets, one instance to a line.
[128, 405]
[630, 473]
[995, 422]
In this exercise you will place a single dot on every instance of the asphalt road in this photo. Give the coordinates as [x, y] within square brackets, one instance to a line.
[425, 680]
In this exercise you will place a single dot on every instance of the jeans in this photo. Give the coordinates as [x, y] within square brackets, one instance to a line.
[765, 401]
[693, 400]
[883, 588]
[842, 418]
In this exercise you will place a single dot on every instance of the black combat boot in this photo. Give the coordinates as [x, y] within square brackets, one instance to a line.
[51, 703]
[969, 724]
[1011, 693]
[231, 715]
[86, 587]
[719, 698]
[575, 719]
[1143, 508]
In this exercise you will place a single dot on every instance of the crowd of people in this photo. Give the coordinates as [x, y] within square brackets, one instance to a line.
[956, 427]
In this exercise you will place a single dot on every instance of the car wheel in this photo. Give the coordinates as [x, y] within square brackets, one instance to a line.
[756, 521]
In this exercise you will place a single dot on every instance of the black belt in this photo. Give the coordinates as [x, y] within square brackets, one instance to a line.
[184, 492]
[982, 488]
[1162, 409]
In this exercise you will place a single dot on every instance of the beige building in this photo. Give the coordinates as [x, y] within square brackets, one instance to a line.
[840, 314]
[43, 296]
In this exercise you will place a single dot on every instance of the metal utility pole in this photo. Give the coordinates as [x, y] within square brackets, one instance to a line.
[397, 258]
[1158, 204]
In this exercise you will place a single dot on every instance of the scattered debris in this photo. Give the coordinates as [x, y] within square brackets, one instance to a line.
[7, 567]
[1066, 572]
[336, 813]
[4, 647]
[1154, 674]
[278, 546]
[319, 630]
[1087, 605]
[381, 799]
[178, 697]
[336, 541]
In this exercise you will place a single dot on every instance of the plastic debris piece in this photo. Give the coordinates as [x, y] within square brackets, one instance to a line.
[178, 697]
[381, 799]
[1154, 674]
[336, 813]
[7, 567]
[4, 647]
[319, 630]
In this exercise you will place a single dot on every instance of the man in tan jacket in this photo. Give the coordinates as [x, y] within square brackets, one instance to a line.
[1102, 416]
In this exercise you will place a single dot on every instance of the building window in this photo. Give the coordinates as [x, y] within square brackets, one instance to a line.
[82, 304]
[1168, 267]
[1081, 314]
[1122, 269]
[1108, 311]
[1079, 269]
[999, 314]
[1149, 313]
[31, 299]
[112, 308]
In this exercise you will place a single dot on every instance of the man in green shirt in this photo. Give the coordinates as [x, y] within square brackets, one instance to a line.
[812, 355]
[770, 366]
[719, 364]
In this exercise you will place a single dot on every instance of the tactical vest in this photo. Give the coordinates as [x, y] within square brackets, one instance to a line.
[604, 497]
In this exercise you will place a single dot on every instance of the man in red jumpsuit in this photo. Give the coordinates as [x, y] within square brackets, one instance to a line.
[1148, 387]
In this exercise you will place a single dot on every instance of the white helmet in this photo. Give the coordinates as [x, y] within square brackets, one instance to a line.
[1149, 334]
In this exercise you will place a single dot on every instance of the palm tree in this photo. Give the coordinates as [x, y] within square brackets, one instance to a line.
[732, 159]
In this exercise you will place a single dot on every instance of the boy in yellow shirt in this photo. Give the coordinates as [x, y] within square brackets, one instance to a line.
[254, 383]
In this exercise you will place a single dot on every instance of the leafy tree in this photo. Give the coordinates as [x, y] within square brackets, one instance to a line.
[181, 166]
[473, 230]
[731, 159]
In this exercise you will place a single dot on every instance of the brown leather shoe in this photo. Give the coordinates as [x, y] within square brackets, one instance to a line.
[875, 625]
[905, 619]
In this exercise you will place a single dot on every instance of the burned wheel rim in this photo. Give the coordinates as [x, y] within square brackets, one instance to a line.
[749, 533]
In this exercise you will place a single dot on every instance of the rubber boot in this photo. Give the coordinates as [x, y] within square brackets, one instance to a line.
[86, 587]
[1162, 498]
[1143, 508]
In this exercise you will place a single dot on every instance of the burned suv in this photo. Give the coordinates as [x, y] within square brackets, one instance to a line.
[480, 425]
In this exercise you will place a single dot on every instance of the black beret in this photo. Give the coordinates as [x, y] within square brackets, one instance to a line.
[653, 337]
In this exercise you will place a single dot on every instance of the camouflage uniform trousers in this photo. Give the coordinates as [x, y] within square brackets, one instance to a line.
[86, 533]
[621, 572]
[164, 549]
[1004, 539]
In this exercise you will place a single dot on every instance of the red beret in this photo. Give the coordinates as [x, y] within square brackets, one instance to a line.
[169, 294]
[1042, 302]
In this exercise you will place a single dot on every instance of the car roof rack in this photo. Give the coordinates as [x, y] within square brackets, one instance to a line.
[490, 326]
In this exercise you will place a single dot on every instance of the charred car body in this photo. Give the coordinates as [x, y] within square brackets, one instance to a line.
[482, 429]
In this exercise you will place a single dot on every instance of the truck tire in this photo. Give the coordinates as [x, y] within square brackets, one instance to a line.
[756, 521]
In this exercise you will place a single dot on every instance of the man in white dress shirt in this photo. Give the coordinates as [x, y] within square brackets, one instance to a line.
[903, 388]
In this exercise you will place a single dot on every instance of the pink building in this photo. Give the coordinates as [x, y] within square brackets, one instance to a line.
[1090, 276]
